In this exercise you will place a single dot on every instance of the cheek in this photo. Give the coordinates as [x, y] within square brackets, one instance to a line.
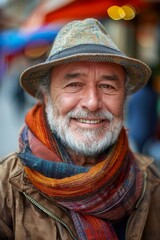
[119, 109]
[65, 102]
[116, 105]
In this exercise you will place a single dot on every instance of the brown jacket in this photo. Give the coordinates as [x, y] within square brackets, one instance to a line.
[26, 214]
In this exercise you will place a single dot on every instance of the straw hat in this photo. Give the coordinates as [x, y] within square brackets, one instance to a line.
[85, 40]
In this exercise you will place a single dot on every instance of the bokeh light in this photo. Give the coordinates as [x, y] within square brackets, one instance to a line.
[129, 12]
[125, 12]
[116, 13]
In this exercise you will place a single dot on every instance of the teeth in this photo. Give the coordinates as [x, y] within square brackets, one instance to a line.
[88, 121]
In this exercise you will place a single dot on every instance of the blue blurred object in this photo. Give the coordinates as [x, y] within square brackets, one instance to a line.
[152, 148]
[142, 116]
[13, 41]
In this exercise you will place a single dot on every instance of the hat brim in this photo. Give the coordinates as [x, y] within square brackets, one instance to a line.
[138, 72]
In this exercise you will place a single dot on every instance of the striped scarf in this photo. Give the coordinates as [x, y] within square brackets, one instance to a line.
[95, 196]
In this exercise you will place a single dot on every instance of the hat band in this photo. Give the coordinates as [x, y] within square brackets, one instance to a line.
[84, 48]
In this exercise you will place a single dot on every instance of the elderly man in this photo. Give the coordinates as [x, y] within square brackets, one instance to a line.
[75, 176]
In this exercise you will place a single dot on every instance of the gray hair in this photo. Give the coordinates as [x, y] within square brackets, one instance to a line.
[44, 86]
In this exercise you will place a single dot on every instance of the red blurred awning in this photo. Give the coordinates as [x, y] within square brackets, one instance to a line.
[80, 9]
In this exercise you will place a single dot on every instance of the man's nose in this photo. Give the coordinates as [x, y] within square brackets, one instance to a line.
[91, 99]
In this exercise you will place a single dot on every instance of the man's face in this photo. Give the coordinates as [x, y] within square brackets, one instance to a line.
[85, 106]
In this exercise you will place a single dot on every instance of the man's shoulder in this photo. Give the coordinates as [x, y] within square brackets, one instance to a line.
[9, 166]
[8, 159]
[146, 164]
[143, 161]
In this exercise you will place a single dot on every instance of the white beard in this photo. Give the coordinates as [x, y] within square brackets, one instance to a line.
[87, 142]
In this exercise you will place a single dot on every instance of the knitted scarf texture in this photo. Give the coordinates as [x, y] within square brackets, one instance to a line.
[96, 196]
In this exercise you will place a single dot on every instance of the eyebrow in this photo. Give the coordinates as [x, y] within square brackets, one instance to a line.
[110, 77]
[70, 76]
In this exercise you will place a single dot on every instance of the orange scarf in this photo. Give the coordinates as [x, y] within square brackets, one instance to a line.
[109, 190]
[102, 171]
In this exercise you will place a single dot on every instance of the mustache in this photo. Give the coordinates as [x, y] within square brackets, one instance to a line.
[87, 114]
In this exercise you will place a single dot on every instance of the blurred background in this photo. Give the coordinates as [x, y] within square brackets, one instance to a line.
[27, 29]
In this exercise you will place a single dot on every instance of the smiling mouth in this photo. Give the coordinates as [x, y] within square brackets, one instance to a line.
[89, 121]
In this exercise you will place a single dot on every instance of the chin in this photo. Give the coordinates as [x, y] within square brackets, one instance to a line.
[89, 143]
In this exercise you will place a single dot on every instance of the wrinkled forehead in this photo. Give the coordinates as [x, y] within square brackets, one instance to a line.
[85, 66]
